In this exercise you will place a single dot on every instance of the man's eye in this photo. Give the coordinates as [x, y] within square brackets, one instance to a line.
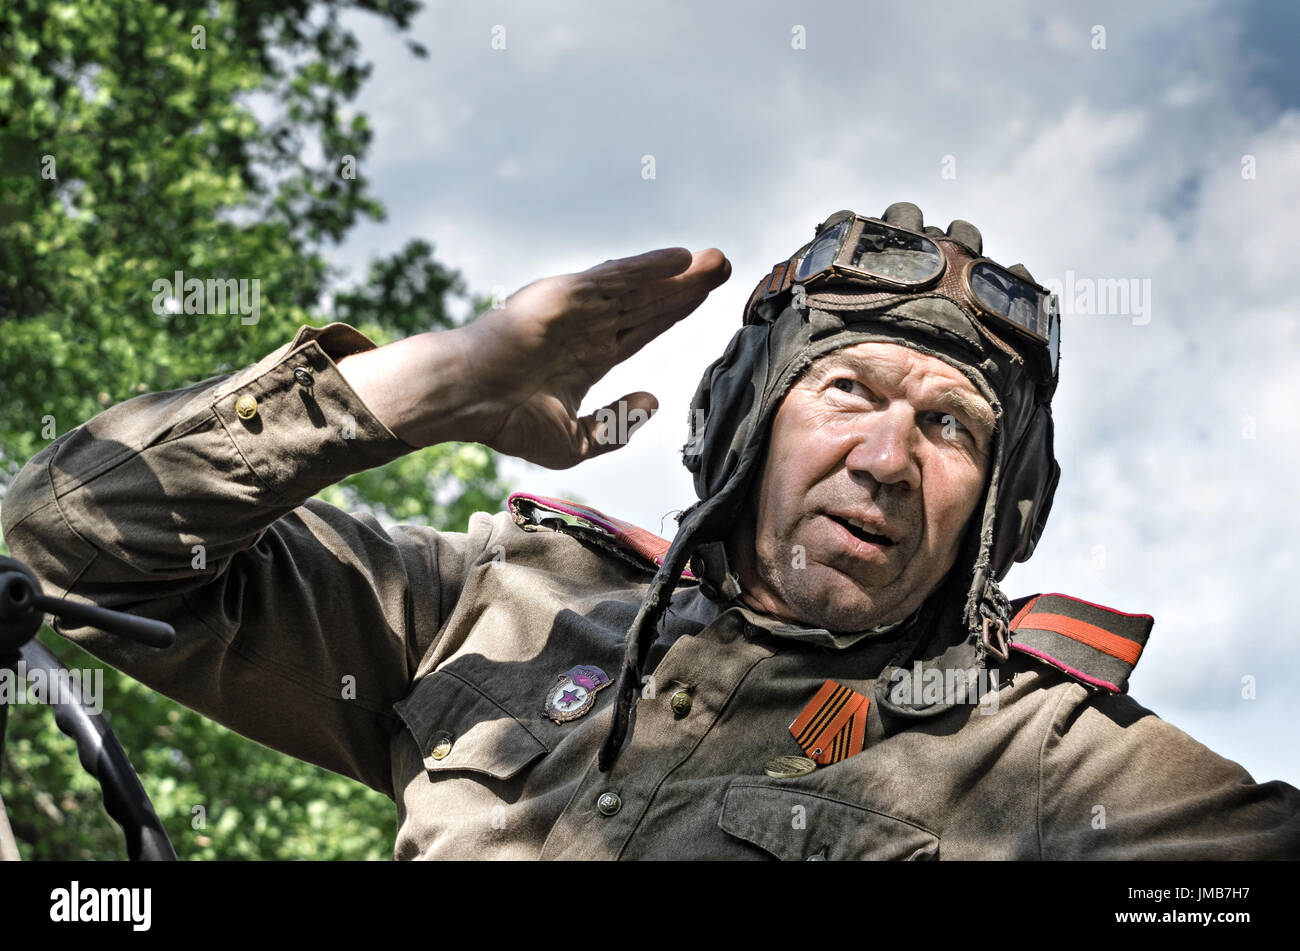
[949, 420]
[950, 426]
[845, 384]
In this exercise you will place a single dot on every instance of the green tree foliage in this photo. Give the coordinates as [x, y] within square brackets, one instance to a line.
[139, 138]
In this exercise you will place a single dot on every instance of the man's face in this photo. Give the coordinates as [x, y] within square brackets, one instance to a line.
[877, 434]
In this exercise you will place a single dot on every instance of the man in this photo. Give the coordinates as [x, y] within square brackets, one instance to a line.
[820, 665]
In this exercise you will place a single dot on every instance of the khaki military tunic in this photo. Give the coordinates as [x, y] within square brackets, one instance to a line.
[419, 663]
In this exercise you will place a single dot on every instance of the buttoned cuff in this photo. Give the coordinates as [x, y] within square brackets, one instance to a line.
[297, 421]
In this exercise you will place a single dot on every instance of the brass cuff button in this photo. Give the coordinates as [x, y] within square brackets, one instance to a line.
[246, 407]
[441, 748]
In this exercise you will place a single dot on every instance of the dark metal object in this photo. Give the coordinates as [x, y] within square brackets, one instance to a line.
[22, 610]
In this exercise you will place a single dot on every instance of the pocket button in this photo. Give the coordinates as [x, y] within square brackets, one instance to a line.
[608, 803]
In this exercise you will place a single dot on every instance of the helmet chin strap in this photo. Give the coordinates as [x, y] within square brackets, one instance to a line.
[717, 580]
[643, 631]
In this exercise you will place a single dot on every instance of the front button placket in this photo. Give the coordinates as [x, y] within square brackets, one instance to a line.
[715, 662]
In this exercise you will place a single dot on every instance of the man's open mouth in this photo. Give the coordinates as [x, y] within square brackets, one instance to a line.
[857, 530]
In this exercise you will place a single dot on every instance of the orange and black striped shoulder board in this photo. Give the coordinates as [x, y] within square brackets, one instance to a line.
[1095, 645]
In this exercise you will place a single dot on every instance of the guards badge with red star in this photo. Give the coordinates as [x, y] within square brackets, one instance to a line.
[574, 692]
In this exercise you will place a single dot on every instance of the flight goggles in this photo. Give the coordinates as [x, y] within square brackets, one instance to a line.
[867, 251]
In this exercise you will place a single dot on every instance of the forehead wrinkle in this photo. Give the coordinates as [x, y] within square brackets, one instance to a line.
[873, 371]
[970, 405]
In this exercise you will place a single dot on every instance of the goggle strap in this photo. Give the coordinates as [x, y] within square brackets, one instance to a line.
[755, 296]
[877, 300]
[779, 281]
[776, 283]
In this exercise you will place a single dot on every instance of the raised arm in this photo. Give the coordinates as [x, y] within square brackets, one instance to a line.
[298, 624]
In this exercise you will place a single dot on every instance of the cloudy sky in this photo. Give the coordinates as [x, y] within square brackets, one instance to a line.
[1114, 141]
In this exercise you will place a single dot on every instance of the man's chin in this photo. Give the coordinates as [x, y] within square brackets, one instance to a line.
[842, 602]
[821, 595]
[841, 611]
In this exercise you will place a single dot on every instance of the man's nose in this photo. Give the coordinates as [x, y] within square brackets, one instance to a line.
[883, 447]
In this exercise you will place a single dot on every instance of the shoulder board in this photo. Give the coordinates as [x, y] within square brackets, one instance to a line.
[1097, 646]
[582, 521]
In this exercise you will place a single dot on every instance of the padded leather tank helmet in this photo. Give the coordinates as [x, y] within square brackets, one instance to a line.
[787, 327]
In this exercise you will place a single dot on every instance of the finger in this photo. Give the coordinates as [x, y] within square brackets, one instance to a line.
[616, 276]
[614, 423]
[709, 270]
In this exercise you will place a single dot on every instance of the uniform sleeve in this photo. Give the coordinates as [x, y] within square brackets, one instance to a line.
[1117, 782]
[297, 624]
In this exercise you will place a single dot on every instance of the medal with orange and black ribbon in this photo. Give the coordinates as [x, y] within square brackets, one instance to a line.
[834, 724]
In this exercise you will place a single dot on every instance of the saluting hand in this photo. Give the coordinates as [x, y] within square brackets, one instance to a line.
[534, 359]
[515, 378]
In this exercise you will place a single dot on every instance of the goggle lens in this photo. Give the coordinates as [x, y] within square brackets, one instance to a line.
[1011, 298]
[822, 253]
[897, 256]
[1017, 301]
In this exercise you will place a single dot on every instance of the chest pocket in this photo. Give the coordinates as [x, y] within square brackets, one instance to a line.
[458, 728]
[793, 824]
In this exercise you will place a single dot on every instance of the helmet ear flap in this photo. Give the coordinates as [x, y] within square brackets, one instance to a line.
[1043, 509]
[721, 413]
[1025, 494]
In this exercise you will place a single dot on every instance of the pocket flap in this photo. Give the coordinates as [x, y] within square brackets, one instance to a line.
[795, 824]
[458, 727]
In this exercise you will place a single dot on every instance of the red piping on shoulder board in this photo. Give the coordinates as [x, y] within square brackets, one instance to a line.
[625, 534]
[1066, 668]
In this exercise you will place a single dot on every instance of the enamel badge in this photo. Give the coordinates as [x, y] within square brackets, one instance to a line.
[574, 692]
